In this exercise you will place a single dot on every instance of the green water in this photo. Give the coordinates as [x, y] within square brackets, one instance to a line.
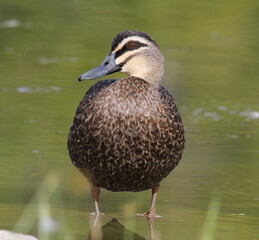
[212, 68]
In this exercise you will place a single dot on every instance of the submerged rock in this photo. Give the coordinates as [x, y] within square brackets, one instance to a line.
[8, 235]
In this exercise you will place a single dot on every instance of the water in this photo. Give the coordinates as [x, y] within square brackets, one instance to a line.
[211, 52]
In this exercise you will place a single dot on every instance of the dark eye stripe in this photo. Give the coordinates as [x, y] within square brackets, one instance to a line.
[126, 60]
[125, 48]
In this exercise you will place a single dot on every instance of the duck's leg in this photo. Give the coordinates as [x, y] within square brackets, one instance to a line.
[95, 191]
[151, 212]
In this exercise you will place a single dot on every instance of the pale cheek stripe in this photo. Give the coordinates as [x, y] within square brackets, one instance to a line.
[128, 54]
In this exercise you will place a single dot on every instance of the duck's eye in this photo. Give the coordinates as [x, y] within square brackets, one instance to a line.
[131, 45]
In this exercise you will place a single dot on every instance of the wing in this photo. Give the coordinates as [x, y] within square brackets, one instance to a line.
[168, 100]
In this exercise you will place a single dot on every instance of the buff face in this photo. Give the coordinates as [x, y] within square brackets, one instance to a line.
[133, 53]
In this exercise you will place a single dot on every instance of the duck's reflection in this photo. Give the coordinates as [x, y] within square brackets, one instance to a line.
[115, 230]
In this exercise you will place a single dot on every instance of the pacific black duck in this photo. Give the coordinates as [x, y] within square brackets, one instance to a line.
[127, 134]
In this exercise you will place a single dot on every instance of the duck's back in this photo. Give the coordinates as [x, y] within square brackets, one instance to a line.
[127, 135]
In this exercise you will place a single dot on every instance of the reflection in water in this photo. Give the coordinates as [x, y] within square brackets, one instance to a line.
[115, 230]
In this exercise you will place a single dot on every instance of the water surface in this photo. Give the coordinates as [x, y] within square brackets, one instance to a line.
[211, 68]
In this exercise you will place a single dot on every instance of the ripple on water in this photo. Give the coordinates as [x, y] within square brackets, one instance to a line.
[14, 23]
[45, 60]
[221, 111]
[250, 114]
[11, 23]
[24, 89]
[53, 60]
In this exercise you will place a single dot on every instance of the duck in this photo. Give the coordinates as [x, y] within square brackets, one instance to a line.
[127, 134]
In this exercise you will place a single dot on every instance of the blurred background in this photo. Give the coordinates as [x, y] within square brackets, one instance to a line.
[211, 51]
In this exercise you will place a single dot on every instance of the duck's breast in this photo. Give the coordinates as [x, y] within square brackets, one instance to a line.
[127, 136]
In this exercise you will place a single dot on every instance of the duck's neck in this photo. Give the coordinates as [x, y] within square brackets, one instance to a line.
[149, 69]
[151, 75]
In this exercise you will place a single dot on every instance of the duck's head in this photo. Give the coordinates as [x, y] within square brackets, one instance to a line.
[134, 53]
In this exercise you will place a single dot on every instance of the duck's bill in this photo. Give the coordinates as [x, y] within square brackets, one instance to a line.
[108, 66]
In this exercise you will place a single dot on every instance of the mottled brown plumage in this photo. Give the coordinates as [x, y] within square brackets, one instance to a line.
[127, 134]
